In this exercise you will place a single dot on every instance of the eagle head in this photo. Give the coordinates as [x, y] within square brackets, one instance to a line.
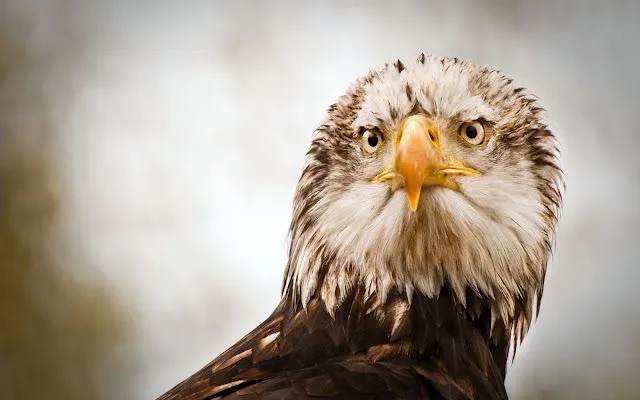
[423, 175]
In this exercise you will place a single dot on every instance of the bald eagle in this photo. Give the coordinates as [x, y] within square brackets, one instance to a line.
[422, 226]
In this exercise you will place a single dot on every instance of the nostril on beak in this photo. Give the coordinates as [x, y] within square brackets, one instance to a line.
[433, 136]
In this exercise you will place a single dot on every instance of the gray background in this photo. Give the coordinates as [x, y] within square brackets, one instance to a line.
[149, 152]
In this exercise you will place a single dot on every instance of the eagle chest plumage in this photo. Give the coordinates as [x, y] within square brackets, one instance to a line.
[426, 349]
[422, 226]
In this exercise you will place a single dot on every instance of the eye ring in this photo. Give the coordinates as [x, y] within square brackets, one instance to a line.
[473, 133]
[371, 140]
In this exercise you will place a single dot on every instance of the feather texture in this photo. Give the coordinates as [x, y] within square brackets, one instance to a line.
[380, 302]
[431, 349]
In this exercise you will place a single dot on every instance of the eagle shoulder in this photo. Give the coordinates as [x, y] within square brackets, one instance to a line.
[423, 349]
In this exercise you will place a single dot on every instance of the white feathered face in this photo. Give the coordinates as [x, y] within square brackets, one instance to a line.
[431, 173]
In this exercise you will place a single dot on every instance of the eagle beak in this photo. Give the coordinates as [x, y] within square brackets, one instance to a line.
[417, 155]
[418, 160]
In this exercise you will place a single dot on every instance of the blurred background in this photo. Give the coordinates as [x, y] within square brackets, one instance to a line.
[149, 151]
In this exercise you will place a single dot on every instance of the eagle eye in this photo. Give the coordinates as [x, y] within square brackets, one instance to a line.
[371, 140]
[472, 132]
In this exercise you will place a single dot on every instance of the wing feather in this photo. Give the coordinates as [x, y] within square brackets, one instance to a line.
[428, 350]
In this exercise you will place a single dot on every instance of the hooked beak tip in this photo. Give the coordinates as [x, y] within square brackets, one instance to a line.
[413, 202]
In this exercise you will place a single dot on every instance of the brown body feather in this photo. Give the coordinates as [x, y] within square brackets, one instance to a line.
[381, 302]
[430, 349]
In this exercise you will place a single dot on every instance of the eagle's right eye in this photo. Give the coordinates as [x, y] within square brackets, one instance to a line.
[371, 140]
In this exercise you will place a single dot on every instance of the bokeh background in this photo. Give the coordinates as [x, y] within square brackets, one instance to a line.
[149, 151]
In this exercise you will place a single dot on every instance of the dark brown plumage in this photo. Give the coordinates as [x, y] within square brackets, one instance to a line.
[440, 351]
[381, 302]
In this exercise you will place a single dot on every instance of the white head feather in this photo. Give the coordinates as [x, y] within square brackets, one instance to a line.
[492, 237]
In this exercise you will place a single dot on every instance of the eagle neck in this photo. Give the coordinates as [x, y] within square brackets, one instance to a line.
[425, 329]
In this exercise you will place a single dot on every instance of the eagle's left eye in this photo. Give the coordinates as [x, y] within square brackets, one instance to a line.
[371, 140]
[472, 132]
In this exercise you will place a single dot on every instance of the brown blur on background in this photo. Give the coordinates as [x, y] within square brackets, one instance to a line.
[149, 151]
[55, 329]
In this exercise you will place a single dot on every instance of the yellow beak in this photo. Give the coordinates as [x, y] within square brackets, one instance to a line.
[419, 162]
[417, 156]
